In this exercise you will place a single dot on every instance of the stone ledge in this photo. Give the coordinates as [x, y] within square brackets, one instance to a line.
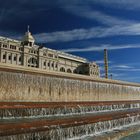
[22, 69]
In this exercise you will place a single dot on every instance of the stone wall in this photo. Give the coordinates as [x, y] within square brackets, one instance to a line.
[20, 84]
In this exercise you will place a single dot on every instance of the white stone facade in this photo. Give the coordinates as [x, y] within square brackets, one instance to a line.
[26, 53]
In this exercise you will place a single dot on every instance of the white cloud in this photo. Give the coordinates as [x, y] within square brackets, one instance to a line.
[99, 16]
[127, 4]
[84, 8]
[128, 78]
[114, 75]
[122, 66]
[83, 34]
[129, 69]
[101, 48]
[102, 62]
[115, 26]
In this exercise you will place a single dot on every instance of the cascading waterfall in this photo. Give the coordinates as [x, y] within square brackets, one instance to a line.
[43, 88]
[62, 111]
[77, 132]
[27, 87]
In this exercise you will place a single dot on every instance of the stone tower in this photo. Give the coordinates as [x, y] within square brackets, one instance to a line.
[106, 63]
[28, 39]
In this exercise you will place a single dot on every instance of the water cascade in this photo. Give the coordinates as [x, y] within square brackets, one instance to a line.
[17, 112]
[29, 87]
[45, 107]
[76, 132]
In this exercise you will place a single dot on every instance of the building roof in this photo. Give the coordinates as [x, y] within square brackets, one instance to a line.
[28, 37]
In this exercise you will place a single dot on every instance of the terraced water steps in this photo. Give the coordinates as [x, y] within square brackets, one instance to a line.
[15, 110]
[64, 120]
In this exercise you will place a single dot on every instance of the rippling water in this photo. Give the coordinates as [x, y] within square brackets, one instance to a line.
[132, 137]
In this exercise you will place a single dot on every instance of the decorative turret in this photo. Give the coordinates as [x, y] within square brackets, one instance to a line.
[28, 39]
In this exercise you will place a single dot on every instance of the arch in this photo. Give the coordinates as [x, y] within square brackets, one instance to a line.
[62, 69]
[69, 70]
[4, 55]
[20, 59]
[75, 71]
[56, 65]
[9, 56]
[32, 62]
[49, 63]
[80, 72]
[15, 57]
[44, 63]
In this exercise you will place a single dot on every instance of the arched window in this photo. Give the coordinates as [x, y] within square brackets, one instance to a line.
[4, 56]
[32, 62]
[49, 64]
[56, 65]
[15, 58]
[52, 64]
[62, 69]
[9, 57]
[45, 63]
[20, 59]
[75, 71]
[69, 71]
[80, 72]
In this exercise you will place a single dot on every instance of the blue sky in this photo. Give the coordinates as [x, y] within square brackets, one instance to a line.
[81, 27]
